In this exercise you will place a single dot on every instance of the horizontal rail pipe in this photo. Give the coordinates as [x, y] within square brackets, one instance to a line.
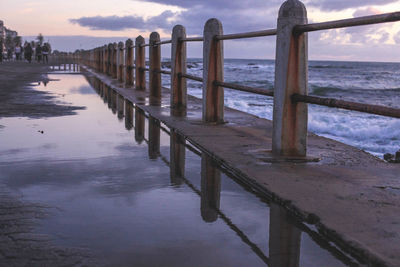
[163, 72]
[354, 106]
[192, 39]
[254, 90]
[263, 33]
[367, 20]
[163, 42]
[190, 77]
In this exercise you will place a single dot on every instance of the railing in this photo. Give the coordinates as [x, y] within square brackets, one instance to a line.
[290, 114]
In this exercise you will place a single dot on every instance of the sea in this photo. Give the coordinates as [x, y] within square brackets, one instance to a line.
[364, 82]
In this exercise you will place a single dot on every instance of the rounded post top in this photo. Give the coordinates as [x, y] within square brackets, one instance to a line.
[129, 43]
[292, 9]
[178, 31]
[110, 46]
[213, 25]
[120, 45]
[154, 37]
[139, 39]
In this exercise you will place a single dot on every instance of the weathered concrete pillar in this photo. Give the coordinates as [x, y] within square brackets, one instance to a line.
[154, 138]
[139, 125]
[177, 158]
[114, 60]
[178, 65]
[114, 98]
[140, 64]
[210, 189]
[129, 62]
[213, 70]
[104, 55]
[284, 239]
[128, 115]
[120, 71]
[110, 56]
[289, 136]
[155, 66]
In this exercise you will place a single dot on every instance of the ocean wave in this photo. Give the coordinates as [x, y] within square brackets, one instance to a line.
[330, 67]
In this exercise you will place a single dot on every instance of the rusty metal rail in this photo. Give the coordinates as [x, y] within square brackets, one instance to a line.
[191, 77]
[163, 72]
[246, 35]
[367, 20]
[163, 42]
[192, 39]
[254, 90]
[336, 103]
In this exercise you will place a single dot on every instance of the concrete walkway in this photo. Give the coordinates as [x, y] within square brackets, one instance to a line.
[352, 197]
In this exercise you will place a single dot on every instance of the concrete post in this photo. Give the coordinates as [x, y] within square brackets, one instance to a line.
[139, 125]
[140, 63]
[110, 56]
[114, 61]
[155, 66]
[289, 136]
[104, 67]
[284, 239]
[129, 62]
[213, 70]
[154, 138]
[210, 189]
[177, 158]
[120, 71]
[178, 65]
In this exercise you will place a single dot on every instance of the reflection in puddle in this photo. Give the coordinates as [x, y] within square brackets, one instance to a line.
[156, 201]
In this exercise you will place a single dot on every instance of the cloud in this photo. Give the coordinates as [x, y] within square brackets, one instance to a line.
[337, 5]
[193, 18]
[118, 23]
[366, 12]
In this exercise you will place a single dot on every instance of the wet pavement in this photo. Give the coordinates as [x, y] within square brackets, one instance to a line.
[112, 186]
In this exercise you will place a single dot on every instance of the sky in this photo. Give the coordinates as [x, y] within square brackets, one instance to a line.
[85, 24]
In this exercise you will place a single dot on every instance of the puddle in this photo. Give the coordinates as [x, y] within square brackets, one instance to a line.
[136, 194]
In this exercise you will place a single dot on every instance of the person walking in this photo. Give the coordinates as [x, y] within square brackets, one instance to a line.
[45, 53]
[39, 53]
[17, 52]
[28, 52]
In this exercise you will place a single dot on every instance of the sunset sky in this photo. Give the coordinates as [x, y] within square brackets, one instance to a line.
[74, 24]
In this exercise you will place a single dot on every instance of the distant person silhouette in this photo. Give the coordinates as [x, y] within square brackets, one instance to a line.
[28, 52]
[45, 53]
[39, 53]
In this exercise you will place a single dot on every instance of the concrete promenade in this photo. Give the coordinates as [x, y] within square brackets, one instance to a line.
[352, 197]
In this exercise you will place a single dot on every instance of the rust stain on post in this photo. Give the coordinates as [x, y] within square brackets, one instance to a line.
[120, 74]
[213, 63]
[140, 63]
[289, 136]
[129, 62]
[155, 67]
[178, 66]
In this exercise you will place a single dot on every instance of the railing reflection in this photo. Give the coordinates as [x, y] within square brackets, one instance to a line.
[154, 138]
[210, 189]
[284, 239]
[284, 232]
[128, 115]
[113, 101]
[120, 107]
[139, 125]
[177, 158]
